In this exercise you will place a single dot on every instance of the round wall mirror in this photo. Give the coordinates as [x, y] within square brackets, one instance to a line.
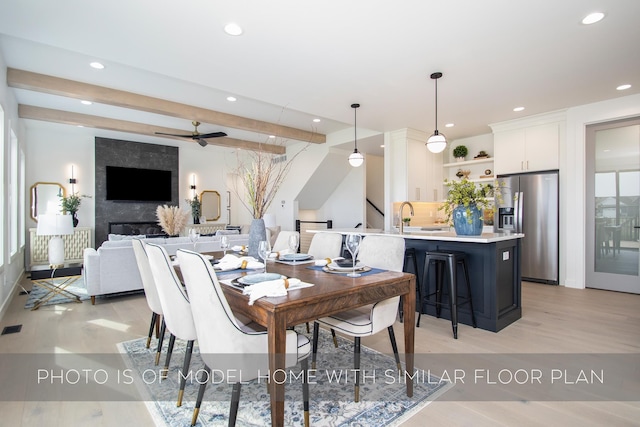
[210, 201]
[46, 196]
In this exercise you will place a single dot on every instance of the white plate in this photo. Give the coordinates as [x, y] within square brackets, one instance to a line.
[295, 257]
[252, 279]
[336, 267]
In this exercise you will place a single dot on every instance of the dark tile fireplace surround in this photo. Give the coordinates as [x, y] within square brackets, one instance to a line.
[130, 217]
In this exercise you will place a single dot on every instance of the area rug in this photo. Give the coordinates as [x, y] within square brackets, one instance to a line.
[38, 292]
[383, 399]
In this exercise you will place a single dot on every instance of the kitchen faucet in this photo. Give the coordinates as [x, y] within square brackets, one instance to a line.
[401, 221]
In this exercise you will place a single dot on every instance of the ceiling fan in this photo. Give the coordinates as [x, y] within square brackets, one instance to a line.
[200, 138]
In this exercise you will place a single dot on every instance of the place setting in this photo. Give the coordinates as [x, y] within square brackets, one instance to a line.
[291, 256]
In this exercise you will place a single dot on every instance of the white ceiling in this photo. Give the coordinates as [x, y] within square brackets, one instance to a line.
[299, 60]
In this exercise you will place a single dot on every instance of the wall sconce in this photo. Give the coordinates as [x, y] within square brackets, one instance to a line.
[193, 184]
[72, 181]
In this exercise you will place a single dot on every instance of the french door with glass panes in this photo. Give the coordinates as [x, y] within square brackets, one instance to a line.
[613, 205]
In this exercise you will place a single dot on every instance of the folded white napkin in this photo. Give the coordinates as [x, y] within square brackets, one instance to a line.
[270, 288]
[278, 254]
[325, 261]
[238, 248]
[232, 262]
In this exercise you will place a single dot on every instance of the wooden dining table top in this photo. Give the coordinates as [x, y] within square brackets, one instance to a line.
[331, 293]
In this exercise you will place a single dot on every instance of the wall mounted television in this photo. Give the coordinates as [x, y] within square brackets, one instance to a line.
[140, 185]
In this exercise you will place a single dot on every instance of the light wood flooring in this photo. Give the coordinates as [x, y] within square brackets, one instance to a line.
[555, 320]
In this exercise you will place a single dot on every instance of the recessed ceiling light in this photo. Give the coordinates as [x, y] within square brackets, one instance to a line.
[272, 136]
[80, 126]
[518, 109]
[623, 87]
[233, 29]
[316, 120]
[606, 151]
[97, 65]
[231, 98]
[449, 125]
[592, 18]
[382, 146]
[86, 102]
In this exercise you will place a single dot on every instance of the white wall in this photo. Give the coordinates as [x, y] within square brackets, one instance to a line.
[573, 176]
[12, 266]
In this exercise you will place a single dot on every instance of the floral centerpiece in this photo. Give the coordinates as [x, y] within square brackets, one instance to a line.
[172, 219]
[464, 204]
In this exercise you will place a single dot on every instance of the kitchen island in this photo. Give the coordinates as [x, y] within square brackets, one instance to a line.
[493, 260]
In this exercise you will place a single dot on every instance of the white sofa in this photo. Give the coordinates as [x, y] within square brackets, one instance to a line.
[113, 268]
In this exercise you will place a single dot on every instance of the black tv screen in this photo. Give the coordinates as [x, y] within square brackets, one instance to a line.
[142, 185]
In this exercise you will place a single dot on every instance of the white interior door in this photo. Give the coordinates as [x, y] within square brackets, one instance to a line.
[613, 205]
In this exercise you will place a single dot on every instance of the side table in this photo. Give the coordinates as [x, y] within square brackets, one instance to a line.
[44, 276]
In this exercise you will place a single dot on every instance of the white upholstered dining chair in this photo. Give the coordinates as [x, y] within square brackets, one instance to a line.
[151, 294]
[384, 252]
[175, 306]
[325, 245]
[226, 343]
[282, 241]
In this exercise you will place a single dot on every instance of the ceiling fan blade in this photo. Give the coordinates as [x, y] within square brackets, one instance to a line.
[211, 135]
[173, 134]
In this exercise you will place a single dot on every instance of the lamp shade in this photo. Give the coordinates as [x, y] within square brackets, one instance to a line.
[54, 225]
[436, 143]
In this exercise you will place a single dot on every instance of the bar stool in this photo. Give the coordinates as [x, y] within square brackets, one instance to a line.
[450, 259]
[410, 255]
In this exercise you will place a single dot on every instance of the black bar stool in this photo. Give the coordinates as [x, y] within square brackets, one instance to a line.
[410, 255]
[450, 259]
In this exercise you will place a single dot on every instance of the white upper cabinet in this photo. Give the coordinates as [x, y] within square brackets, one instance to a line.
[531, 147]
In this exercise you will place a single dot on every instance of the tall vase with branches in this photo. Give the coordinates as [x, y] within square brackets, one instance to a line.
[260, 173]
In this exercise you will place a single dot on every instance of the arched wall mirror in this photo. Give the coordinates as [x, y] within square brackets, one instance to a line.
[45, 194]
[210, 201]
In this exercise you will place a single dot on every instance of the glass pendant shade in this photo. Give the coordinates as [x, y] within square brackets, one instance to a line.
[436, 142]
[356, 158]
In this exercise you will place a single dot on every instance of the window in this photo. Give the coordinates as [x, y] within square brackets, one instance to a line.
[13, 195]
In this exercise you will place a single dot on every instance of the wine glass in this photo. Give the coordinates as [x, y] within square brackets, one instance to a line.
[264, 249]
[293, 241]
[353, 244]
[224, 243]
[194, 236]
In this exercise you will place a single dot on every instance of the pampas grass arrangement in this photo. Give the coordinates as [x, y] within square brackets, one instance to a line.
[172, 219]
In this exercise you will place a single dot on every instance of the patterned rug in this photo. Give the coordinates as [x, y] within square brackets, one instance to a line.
[39, 292]
[383, 399]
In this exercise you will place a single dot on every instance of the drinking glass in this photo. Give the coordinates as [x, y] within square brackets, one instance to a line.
[293, 244]
[264, 249]
[224, 243]
[353, 244]
[194, 236]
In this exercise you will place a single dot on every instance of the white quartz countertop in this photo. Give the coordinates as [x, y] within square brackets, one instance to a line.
[445, 236]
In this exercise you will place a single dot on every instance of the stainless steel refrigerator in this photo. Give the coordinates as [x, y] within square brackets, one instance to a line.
[528, 203]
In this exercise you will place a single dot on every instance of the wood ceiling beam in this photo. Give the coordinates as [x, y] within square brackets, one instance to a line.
[28, 80]
[69, 118]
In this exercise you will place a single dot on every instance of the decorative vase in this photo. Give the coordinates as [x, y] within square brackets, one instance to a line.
[257, 233]
[75, 219]
[461, 222]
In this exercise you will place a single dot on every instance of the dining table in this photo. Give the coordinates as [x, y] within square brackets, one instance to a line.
[331, 293]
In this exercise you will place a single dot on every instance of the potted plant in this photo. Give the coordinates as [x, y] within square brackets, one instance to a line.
[172, 219]
[464, 204]
[460, 152]
[406, 221]
[196, 208]
[71, 204]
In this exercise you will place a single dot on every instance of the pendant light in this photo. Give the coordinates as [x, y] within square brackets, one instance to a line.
[436, 142]
[356, 158]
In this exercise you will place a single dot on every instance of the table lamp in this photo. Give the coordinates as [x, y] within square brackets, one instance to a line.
[55, 225]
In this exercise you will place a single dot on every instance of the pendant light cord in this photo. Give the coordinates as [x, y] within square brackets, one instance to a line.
[355, 125]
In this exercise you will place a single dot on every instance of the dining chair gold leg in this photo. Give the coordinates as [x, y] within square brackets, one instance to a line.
[194, 418]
